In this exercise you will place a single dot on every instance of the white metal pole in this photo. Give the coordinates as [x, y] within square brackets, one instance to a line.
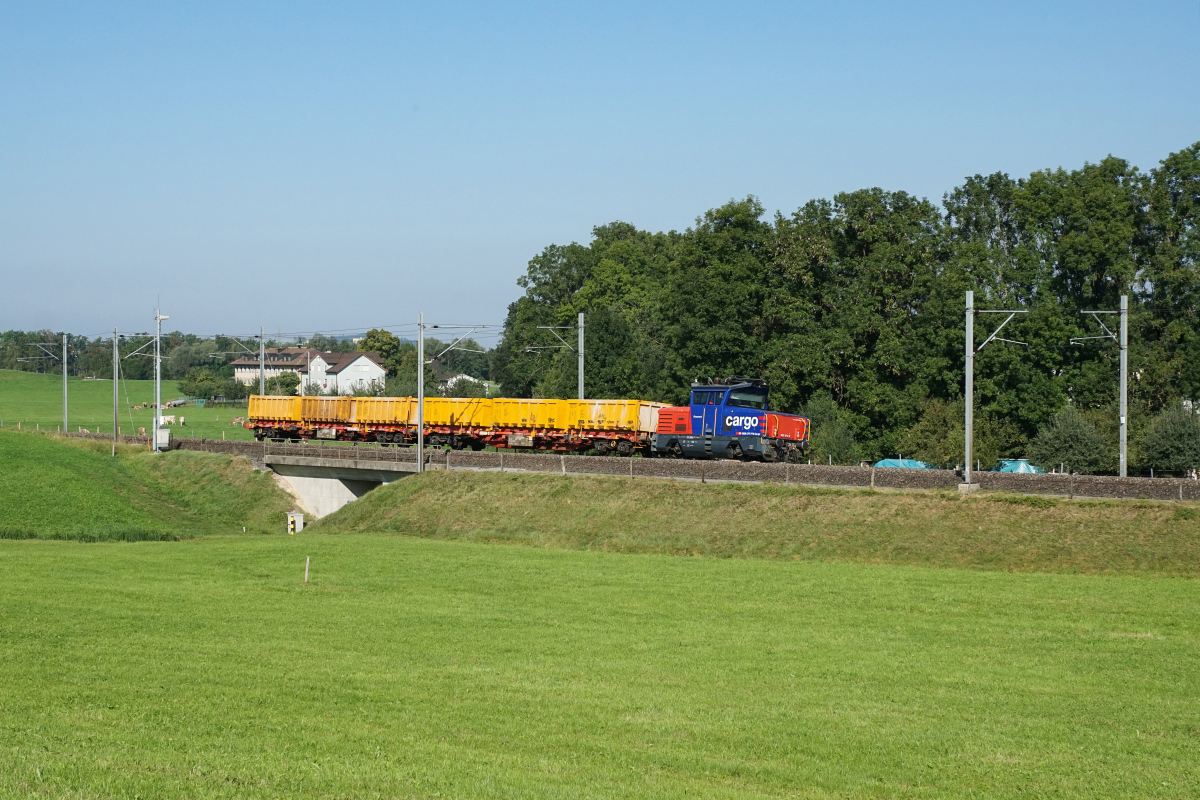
[157, 375]
[262, 357]
[969, 390]
[420, 389]
[580, 355]
[65, 429]
[1124, 383]
[116, 371]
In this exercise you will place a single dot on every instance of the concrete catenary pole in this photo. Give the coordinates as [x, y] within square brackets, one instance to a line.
[580, 355]
[116, 372]
[262, 363]
[65, 429]
[1124, 384]
[158, 320]
[969, 389]
[420, 390]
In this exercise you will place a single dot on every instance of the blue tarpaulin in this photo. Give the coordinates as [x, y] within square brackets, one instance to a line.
[902, 463]
[1017, 465]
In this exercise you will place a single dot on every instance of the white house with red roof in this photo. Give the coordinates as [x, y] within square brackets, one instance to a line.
[339, 373]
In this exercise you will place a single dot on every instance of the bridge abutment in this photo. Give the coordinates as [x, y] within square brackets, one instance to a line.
[326, 484]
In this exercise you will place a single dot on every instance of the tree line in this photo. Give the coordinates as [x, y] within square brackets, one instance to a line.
[852, 308]
[203, 365]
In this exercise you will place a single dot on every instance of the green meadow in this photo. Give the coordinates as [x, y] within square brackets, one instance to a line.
[416, 668]
[534, 638]
[34, 401]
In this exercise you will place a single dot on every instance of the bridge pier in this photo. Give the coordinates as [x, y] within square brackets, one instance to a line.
[326, 484]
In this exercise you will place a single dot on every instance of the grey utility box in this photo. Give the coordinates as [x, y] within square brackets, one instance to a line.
[295, 522]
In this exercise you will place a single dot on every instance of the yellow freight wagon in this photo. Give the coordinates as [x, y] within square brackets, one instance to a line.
[462, 412]
[327, 409]
[613, 415]
[510, 412]
[385, 410]
[273, 408]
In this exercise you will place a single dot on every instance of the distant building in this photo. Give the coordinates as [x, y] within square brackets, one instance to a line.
[276, 361]
[344, 373]
[458, 380]
[340, 373]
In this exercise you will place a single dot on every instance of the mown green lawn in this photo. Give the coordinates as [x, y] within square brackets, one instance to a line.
[35, 401]
[417, 668]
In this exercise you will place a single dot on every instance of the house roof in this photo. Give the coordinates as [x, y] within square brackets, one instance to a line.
[294, 357]
[297, 358]
[339, 361]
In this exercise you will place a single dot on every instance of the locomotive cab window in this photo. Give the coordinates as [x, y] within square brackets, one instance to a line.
[748, 398]
[705, 398]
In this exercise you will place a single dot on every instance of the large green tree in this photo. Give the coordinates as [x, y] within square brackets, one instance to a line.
[387, 345]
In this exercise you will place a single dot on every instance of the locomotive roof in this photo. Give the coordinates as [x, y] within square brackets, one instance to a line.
[736, 382]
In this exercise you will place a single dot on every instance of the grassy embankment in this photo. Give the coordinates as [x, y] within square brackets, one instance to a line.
[73, 489]
[988, 531]
[35, 400]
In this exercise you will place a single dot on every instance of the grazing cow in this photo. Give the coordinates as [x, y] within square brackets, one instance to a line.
[141, 431]
[168, 419]
[183, 420]
[237, 420]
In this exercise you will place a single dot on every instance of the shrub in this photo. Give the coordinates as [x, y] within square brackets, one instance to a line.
[1172, 442]
[1070, 440]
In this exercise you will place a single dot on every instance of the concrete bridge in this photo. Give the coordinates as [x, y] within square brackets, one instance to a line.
[326, 484]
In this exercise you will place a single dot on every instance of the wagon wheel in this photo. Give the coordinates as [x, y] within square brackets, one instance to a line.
[602, 447]
[625, 447]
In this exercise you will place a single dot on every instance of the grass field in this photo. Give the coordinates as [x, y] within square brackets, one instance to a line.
[35, 400]
[606, 660]
[412, 668]
[74, 489]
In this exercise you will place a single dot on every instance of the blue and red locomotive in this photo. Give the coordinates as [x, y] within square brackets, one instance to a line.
[729, 419]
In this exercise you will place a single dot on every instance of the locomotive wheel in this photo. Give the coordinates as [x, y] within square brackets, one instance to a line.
[674, 450]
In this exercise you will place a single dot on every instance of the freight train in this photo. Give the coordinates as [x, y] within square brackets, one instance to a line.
[725, 419]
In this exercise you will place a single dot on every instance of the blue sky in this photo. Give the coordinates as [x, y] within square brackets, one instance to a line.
[329, 166]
